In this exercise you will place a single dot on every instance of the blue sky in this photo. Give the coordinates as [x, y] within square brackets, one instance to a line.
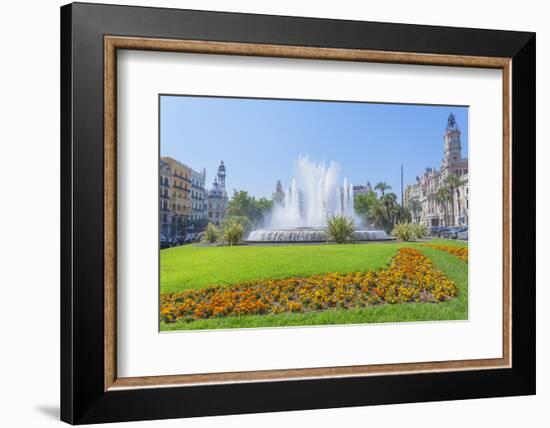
[259, 140]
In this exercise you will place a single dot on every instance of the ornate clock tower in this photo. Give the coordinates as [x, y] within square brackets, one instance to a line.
[221, 175]
[453, 148]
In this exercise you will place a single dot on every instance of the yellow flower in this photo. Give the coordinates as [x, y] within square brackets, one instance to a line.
[410, 277]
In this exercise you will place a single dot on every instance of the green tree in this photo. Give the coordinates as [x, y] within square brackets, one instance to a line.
[442, 197]
[264, 205]
[365, 205]
[402, 214]
[415, 208]
[388, 212]
[383, 187]
[244, 205]
[452, 181]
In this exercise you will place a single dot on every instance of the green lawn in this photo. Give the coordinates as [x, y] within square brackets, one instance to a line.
[189, 267]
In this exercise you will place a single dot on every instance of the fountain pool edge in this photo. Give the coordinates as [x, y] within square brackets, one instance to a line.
[309, 235]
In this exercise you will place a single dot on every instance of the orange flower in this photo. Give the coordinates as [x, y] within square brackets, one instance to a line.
[460, 252]
[411, 277]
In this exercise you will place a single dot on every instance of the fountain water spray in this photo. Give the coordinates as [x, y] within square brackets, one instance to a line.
[313, 196]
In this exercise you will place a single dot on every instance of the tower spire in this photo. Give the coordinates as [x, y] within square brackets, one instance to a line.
[221, 175]
[451, 122]
[453, 149]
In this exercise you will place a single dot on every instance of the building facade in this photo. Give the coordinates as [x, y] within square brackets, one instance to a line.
[279, 195]
[165, 216]
[217, 197]
[440, 197]
[199, 195]
[362, 190]
[180, 205]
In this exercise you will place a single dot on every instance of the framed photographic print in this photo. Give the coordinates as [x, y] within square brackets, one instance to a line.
[264, 213]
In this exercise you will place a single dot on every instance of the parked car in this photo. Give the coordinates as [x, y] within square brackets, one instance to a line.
[457, 230]
[185, 239]
[463, 235]
[177, 240]
[434, 230]
[165, 242]
[444, 232]
[450, 232]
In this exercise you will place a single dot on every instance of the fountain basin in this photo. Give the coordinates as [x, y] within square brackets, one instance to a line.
[309, 234]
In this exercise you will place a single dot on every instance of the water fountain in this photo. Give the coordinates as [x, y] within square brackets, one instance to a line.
[313, 196]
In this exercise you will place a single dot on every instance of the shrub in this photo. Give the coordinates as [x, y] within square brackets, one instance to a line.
[211, 234]
[410, 231]
[232, 233]
[420, 230]
[404, 231]
[340, 229]
[240, 219]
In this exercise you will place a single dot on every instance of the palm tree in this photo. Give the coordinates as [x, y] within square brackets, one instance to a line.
[452, 181]
[383, 187]
[415, 206]
[365, 204]
[387, 211]
[442, 197]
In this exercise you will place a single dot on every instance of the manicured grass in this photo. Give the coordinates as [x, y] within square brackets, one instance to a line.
[195, 267]
[449, 242]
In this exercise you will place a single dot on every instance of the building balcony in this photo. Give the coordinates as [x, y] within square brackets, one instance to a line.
[181, 177]
[181, 188]
[432, 215]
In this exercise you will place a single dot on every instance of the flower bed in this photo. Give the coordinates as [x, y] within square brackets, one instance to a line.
[460, 252]
[411, 277]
